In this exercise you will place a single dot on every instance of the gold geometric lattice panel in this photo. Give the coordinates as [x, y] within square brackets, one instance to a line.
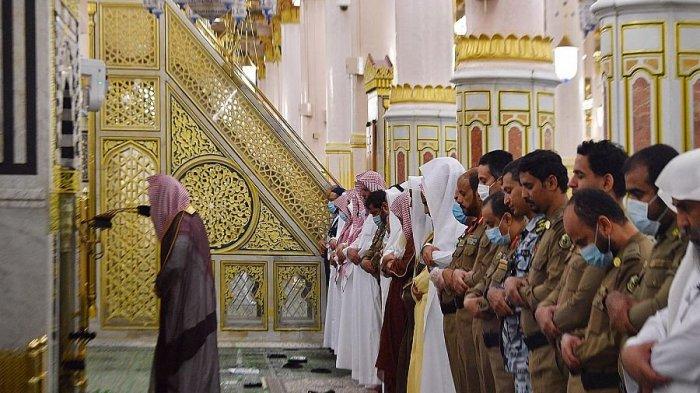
[223, 198]
[131, 104]
[297, 299]
[188, 139]
[130, 262]
[216, 95]
[128, 36]
[243, 295]
[271, 235]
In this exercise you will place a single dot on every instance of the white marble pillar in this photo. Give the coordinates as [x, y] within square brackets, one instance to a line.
[562, 20]
[313, 91]
[271, 84]
[341, 92]
[290, 70]
[594, 116]
[27, 275]
[378, 29]
[649, 61]
[421, 120]
[504, 79]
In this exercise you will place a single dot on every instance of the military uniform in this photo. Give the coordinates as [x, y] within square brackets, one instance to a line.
[650, 287]
[573, 297]
[484, 257]
[515, 350]
[543, 274]
[457, 323]
[599, 350]
[490, 325]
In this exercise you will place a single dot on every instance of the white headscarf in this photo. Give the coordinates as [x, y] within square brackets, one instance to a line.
[394, 244]
[440, 177]
[680, 179]
[421, 222]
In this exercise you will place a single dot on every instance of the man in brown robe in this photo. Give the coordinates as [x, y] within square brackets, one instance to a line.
[393, 366]
[186, 358]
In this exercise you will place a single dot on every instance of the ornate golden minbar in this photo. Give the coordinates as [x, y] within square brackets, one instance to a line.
[174, 108]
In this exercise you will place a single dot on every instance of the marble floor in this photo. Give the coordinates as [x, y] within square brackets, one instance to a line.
[118, 369]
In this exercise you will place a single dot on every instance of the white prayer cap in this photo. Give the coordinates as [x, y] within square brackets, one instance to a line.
[439, 183]
[680, 179]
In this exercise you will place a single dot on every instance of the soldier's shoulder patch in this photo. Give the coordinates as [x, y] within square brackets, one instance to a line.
[461, 241]
[617, 262]
[472, 240]
[633, 283]
[542, 226]
[676, 233]
[565, 242]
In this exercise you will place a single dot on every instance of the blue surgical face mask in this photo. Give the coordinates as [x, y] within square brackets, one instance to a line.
[377, 219]
[483, 191]
[496, 237]
[638, 212]
[331, 207]
[459, 213]
[343, 216]
[593, 256]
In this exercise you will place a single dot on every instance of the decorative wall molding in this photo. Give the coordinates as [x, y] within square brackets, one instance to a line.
[407, 93]
[378, 76]
[497, 47]
[23, 197]
[358, 140]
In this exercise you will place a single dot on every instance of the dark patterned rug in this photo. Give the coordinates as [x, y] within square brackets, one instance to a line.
[127, 370]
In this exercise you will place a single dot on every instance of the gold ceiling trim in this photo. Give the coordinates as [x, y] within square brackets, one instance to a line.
[378, 76]
[498, 47]
[418, 94]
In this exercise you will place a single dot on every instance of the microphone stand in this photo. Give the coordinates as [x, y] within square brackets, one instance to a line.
[74, 360]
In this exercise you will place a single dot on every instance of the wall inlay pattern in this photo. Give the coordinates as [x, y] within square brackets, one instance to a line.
[119, 21]
[128, 267]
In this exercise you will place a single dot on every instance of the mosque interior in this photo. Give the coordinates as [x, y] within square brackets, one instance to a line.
[257, 108]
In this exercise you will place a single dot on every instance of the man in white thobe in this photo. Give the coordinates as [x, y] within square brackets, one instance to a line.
[368, 306]
[665, 355]
[439, 183]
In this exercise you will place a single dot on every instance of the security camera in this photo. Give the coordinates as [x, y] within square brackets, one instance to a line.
[343, 4]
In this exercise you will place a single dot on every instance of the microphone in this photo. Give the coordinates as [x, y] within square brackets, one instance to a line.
[104, 220]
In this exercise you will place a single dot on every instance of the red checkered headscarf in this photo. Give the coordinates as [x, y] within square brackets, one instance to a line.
[167, 198]
[372, 181]
[343, 204]
[402, 209]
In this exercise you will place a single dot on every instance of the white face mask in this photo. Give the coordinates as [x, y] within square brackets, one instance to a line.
[483, 191]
